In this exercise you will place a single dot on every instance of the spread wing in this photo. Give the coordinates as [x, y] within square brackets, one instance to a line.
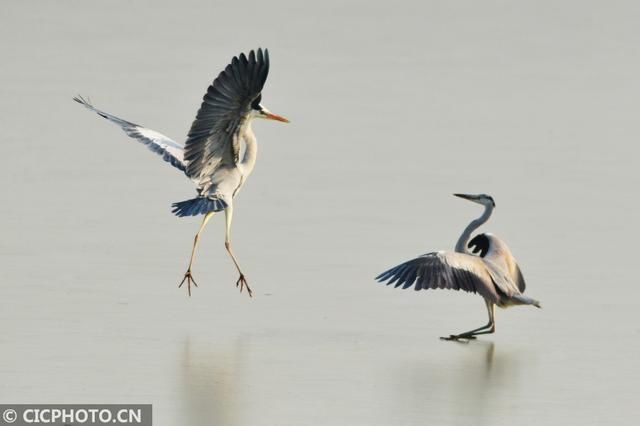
[449, 270]
[214, 138]
[171, 151]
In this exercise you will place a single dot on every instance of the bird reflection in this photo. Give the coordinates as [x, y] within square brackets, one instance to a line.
[489, 356]
[469, 381]
[477, 378]
[488, 347]
[209, 385]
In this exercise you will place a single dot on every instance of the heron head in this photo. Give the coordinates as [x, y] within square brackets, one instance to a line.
[258, 111]
[484, 199]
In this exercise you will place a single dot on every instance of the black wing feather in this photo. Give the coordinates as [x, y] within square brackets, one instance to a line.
[479, 245]
[520, 279]
[445, 270]
[213, 140]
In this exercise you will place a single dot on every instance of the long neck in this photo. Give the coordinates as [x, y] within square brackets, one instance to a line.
[251, 150]
[461, 245]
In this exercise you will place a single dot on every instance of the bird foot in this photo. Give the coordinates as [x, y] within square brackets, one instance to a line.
[459, 337]
[242, 283]
[189, 279]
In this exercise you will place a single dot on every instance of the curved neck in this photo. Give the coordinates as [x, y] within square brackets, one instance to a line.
[461, 245]
[251, 150]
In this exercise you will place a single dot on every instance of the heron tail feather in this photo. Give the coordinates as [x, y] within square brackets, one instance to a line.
[198, 205]
[526, 300]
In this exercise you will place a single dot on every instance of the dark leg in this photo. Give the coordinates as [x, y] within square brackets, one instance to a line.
[487, 329]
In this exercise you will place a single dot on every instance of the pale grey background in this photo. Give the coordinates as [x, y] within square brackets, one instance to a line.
[394, 106]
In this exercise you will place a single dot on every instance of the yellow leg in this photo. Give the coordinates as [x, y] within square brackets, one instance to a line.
[187, 276]
[241, 282]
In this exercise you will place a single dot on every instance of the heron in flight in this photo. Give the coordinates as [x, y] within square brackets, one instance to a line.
[221, 149]
[488, 268]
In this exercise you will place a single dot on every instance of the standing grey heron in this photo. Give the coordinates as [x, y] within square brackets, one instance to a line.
[488, 269]
[221, 149]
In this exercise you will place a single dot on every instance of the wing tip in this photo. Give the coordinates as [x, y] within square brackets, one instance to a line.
[81, 100]
[384, 276]
[256, 55]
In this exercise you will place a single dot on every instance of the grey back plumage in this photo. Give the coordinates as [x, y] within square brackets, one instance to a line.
[214, 139]
[495, 250]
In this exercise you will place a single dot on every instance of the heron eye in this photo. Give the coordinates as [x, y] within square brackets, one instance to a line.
[256, 103]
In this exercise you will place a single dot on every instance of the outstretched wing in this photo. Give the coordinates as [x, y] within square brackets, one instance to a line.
[445, 270]
[214, 138]
[171, 151]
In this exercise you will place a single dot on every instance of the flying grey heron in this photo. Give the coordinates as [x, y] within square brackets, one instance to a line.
[211, 156]
[488, 269]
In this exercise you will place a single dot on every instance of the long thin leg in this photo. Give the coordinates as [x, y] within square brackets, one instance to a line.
[486, 329]
[187, 276]
[242, 282]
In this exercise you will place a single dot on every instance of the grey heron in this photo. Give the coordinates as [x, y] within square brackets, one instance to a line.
[488, 268]
[221, 149]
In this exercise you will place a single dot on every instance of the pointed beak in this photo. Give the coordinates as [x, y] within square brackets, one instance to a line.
[466, 196]
[271, 116]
